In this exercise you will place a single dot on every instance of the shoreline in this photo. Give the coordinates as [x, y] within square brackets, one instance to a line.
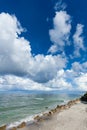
[42, 116]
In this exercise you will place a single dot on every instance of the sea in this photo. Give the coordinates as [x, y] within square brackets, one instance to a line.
[19, 106]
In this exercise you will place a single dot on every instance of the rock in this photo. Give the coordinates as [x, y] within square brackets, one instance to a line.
[66, 106]
[45, 114]
[23, 124]
[3, 127]
[53, 111]
[62, 107]
[14, 128]
[57, 106]
[50, 113]
[37, 117]
[84, 97]
[46, 107]
[70, 103]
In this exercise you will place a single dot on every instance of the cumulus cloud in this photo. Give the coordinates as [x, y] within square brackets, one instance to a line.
[20, 70]
[12, 82]
[79, 67]
[77, 76]
[60, 33]
[14, 51]
[60, 81]
[81, 82]
[16, 57]
[69, 80]
[47, 67]
[78, 40]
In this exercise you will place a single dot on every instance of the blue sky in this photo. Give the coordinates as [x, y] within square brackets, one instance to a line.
[43, 45]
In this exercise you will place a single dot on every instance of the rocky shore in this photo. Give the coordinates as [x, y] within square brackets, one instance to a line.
[72, 116]
[45, 116]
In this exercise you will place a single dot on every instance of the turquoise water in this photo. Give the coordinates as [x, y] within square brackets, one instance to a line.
[15, 106]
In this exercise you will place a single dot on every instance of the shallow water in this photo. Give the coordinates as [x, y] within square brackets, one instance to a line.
[15, 106]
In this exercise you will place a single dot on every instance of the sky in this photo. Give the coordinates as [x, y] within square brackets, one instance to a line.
[43, 45]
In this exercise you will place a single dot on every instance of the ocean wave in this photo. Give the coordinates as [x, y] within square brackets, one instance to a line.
[28, 120]
[39, 98]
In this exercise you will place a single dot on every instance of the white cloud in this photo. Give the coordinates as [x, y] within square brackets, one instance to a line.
[64, 80]
[77, 76]
[78, 79]
[47, 67]
[59, 35]
[22, 70]
[81, 82]
[60, 82]
[60, 5]
[14, 51]
[11, 82]
[78, 40]
[16, 59]
[79, 68]
[69, 80]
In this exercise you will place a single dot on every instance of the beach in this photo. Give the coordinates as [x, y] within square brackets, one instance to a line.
[18, 107]
[72, 116]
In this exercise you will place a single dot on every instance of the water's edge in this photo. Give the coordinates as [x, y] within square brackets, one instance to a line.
[40, 116]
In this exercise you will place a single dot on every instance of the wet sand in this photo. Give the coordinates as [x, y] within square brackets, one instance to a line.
[72, 117]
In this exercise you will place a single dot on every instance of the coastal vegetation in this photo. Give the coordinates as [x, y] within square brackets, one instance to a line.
[84, 97]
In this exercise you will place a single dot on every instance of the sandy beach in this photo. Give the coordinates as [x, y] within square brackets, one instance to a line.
[73, 118]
